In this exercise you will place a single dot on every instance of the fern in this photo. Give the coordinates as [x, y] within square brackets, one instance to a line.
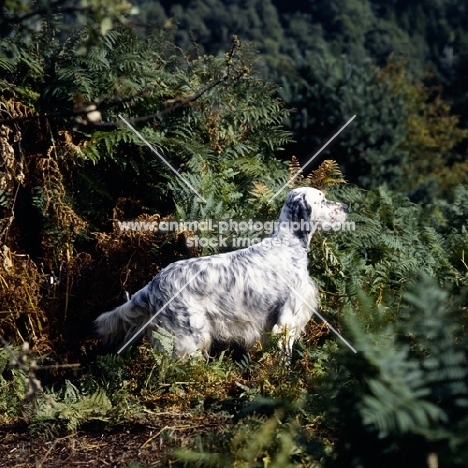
[327, 174]
[392, 238]
[410, 379]
[13, 389]
[255, 441]
[165, 340]
[73, 411]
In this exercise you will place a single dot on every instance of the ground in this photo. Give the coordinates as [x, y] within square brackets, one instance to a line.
[148, 445]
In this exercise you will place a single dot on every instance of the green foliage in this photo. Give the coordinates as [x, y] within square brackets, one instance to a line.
[452, 223]
[98, 17]
[112, 374]
[392, 238]
[13, 389]
[214, 119]
[321, 54]
[165, 340]
[407, 386]
[393, 286]
[256, 442]
[327, 92]
[69, 410]
[433, 137]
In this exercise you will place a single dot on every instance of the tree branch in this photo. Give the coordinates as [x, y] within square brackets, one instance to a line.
[43, 11]
[177, 105]
[236, 45]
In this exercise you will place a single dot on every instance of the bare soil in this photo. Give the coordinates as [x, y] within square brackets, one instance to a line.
[149, 445]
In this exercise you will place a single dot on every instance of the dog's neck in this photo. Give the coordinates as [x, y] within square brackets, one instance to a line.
[298, 233]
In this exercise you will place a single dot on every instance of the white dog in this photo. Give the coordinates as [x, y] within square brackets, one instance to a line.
[233, 297]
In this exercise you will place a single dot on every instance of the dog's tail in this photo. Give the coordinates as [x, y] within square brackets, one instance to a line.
[120, 326]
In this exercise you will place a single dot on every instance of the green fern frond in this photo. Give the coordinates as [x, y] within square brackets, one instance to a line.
[165, 340]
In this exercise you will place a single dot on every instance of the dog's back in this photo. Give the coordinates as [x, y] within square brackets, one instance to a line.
[234, 297]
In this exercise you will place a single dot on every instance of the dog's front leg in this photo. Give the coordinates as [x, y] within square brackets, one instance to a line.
[286, 336]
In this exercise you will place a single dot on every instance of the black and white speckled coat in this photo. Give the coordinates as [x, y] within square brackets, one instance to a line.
[233, 297]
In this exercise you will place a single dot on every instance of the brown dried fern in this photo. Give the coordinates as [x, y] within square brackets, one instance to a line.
[21, 317]
[15, 108]
[296, 175]
[326, 175]
[11, 175]
[64, 223]
[261, 191]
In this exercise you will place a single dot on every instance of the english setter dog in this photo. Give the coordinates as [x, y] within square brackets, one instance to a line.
[234, 297]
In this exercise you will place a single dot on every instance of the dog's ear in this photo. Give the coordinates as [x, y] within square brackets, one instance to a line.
[301, 211]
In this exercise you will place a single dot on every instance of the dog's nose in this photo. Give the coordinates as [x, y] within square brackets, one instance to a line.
[345, 207]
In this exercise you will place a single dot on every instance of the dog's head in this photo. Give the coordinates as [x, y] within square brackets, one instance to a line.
[306, 210]
[325, 213]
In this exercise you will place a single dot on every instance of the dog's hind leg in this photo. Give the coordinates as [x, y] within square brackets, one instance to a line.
[179, 345]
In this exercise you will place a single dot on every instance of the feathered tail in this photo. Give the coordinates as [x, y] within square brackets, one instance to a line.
[119, 326]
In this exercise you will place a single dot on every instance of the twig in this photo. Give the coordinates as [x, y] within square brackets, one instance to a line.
[181, 428]
[180, 103]
[144, 118]
[59, 366]
[41, 463]
[44, 10]
[46, 116]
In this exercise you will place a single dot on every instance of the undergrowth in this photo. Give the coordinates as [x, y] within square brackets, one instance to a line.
[118, 390]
